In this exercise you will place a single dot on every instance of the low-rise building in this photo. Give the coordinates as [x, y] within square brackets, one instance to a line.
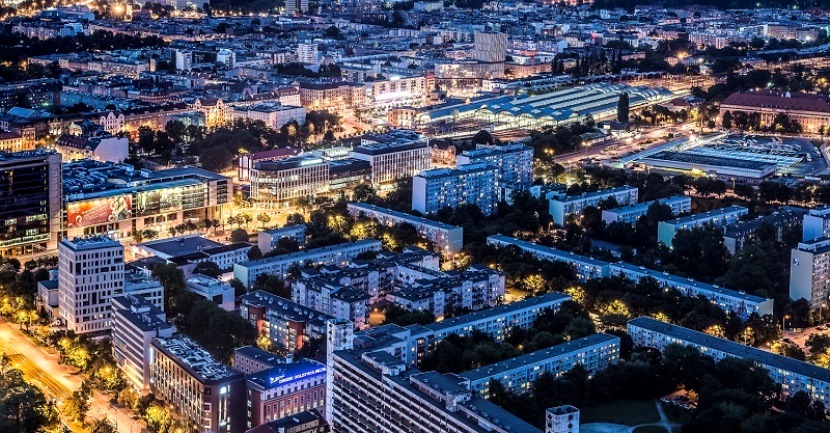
[811, 111]
[250, 360]
[736, 235]
[339, 254]
[594, 353]
[447, 238]
[720, 217]
[288, 324]
[207, 395]
[267, 240]
[395, 155]
[274, 115]
[276, 182]
[285, 390]
[793, 375]
[211, 289]
[562, 207]
[562, 419]
[816, 223]
[584, 266]
[632, 213]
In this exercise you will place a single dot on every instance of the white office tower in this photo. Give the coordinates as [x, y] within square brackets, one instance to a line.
[339, 336]
[295, 7]
[562, 419]
[90, 271]
[816, 223]
[810, 272]
[184, 60]
[490, 47]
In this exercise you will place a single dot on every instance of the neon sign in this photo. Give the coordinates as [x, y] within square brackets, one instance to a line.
[282, 379]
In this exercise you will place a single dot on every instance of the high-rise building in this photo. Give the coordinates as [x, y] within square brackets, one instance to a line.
[514, 162]
[30, 201]
[295, 7]
[816, 223]
[562, 206]
[90, 272]
[207, 395]
[135, 323]
[810, 272]
[490, 47]
[471, 184]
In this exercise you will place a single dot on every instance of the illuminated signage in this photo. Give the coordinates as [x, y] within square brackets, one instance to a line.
[282, 379]
[98, 211]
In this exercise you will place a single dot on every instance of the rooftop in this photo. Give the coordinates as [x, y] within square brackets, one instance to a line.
[437, 173]
[308, 253]
[728, 210]
[400, 215]
[780, 101]
[179, 246]
[598, 193]
[91, 242]
[195, 358]
[499, 311]
[733, 349]
[560, 254]
[282, 307]
[285, 374]
[714, 161]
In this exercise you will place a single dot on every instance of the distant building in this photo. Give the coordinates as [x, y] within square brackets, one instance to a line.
[267, 240]
[247, 161]
[274, 182]
[811, 111]
[513, 161]
[736, 235]
[562, 207]
[446, 237]
[396, 155]
[310, 421]
[816, 223]
[719, 217]
[810, 272]
[584, 266]
[632, 213]
[470, 184]
[288, 324]
[211, 289]
[274, 115]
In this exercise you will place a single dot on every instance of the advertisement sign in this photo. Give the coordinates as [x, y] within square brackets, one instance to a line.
[158, 201]
[98, 211]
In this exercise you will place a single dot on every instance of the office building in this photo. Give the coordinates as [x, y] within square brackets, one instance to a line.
[211, 289]
[288, 324]
[562, 207]
[90, 271]
[116, 199]
[816, 223]
[135, 323]
[585, 267]
[791, 374]
[632, 213]
[395, 155]
[267, 240]
[339, 254]
[308, 53]
[247, 161]
[513, 161]
[140, 282]
[720, 218]
[189, 250]
[43, 92]
[490, 47]
[562, 419]
[30, 202]
[447, 238]
[734, 301]
[295, 7]
[516, 375]
[810, 272]
[273, 114]
[207, 395]
[811, 111]
[249, 360]
[471, 184]
[285, 390]
[274, 182]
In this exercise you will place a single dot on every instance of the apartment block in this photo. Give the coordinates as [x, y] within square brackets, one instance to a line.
[562, 207]
[513, 161]
[211, 289]
[90, 271]
[340, 254]
[791, 374]
[816, 223]
[737, 234]
[632, 213]
[207, 395]
[288, 324]
[594, 353]
[720, 217]
[135, 323]
[810, 272]
[738, 302]
[470, 184]
[584, 266]
[267, 240]
[250, 360]
[447, 238]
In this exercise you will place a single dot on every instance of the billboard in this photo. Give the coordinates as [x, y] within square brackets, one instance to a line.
[98, 211]
[158, 201]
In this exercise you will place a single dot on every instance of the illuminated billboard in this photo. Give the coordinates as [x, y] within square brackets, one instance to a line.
[158, 201]
[98, 211]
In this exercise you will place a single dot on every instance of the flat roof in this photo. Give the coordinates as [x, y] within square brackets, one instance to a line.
[400, 215]
[286, 374]
[563, 255]
[531, 358]
[708, 215]
[733, 349]
[437, 173]
[714, 161]
[311, 252]
[498, 311]
[180, 246]
[598, 193]
[91, 242]
[195, 358]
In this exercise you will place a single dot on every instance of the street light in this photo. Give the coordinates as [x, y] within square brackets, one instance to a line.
[784, 325]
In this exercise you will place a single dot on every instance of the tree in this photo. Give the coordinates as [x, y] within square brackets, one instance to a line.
[818, 343]
[208, 268]
[215, 158]
[726, 120]
[172, 279]
[101, 426]
[623, 108]
[363, 192]
[263, 218]
[240, 235]
[254, 253]
[482, 137]
[77, 405]
[22, 406]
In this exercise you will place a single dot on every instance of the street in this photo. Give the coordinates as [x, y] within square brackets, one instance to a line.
[57, 380]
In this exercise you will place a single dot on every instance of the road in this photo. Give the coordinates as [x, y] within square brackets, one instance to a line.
[58, 380]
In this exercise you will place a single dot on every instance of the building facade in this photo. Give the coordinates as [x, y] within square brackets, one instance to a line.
[562, 207]
[285, 390]
[447, 238]
[135, 323]
[470, 184]
[720, 217]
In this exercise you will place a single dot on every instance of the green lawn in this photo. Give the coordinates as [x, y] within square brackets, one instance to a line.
[626, 412]
[650, 429]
